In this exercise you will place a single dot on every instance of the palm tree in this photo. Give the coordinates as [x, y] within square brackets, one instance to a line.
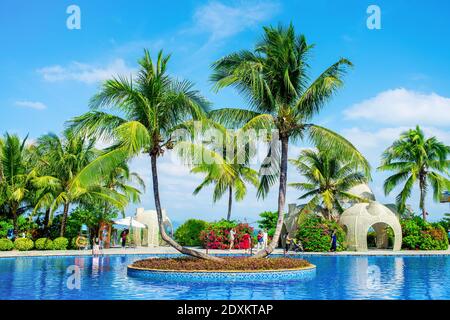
[225, 180]
[328, 181]
[19, 180]
[144, 112]
[67, 157]
[414, 158]
[274, 79]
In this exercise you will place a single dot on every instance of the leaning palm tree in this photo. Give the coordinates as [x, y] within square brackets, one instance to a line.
[274, 79]
[229, 173]
[414, 158]
[328, 181]
[143, 113]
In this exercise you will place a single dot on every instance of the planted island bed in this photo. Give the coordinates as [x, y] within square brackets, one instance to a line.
[229, 264]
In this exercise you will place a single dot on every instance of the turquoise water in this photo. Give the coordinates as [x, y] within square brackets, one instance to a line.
[337, 277]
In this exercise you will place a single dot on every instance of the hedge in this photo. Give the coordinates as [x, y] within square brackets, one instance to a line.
[6, 245]
[60, 243]
[23, 244]
[44, 244]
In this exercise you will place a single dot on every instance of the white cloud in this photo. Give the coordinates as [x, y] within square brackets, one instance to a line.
[373, 143]
[31, 104]
[403, 107]
[223, 21]
[86, 73]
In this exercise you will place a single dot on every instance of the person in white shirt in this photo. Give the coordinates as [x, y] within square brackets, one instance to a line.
[265, 238]
[232, 235]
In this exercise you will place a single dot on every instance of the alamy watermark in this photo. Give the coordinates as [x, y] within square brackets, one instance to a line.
[73, 21]
[74, 280]
[373, 22]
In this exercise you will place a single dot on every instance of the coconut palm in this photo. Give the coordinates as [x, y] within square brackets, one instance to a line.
[225, 180]
[140, 114]
[415, 158]
[274, 79]
[66, 158]
[19, 180]
[328, 181]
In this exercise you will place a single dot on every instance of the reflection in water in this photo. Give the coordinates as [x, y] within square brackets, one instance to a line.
[337, 277]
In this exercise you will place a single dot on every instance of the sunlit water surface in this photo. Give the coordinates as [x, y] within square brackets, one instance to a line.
[337, 277]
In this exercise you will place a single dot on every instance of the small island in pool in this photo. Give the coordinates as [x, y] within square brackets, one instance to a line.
[229, 268]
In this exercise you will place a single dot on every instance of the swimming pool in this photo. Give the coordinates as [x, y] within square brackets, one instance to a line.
[337, 277]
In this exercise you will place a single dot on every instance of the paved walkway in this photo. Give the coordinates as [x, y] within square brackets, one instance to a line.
[169, 250]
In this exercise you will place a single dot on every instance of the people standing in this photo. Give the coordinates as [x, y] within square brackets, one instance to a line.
[265, 238]
[104, 237]
[333, 241]
[246, 243]
[287, 241]
[260, 239]
[123, 236]
[232, 237]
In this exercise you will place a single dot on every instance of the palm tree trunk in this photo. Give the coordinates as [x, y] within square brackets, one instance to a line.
[230, 202]
[14, 216]
[46, 221]
[162, 231]
[281, 200]
[64, 219]
[423, 193]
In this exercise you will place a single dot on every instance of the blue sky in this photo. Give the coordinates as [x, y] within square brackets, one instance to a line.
[400, 78]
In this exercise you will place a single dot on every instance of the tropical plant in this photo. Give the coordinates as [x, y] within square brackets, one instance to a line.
[418, 234]
[268, 221]
[314, 233]
[328, 181]
[188, 234]
[67, 157]
[6, 245]
[19, 180]
[23, 244]
[217, 234]
[43, 244]
[228, 174]
[274, 78]
[143, 113]
[415, 158]
[60, 243]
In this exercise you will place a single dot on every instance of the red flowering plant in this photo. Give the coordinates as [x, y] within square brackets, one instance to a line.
[217, 234]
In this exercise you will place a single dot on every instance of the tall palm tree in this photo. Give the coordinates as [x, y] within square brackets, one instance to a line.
[143, 113]
[328, 181]
[274, 79]
[19, 179]
[218, 173]
[414, 158]
[66, 157]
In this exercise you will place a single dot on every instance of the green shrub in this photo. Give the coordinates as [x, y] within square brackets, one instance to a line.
[188, 234]
[23, 244]
[268, 221]
[315, 232]
[43, 244]
[60, 243]
[6, 245]
[421, 235]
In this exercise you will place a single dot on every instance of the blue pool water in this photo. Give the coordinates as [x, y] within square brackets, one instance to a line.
[337, 277]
